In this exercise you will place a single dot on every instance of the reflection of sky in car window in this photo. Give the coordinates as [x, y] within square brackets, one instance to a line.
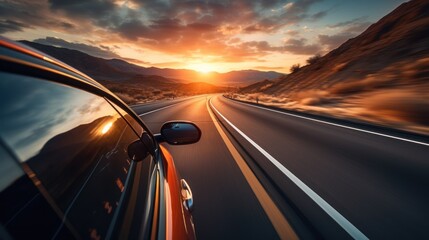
[33, 111]
[9, 170]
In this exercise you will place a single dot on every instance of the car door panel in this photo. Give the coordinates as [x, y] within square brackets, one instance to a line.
[76, 144]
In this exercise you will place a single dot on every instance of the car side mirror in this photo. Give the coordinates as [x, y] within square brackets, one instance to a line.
[179, 133]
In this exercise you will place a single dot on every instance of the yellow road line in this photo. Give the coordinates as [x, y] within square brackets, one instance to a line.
[279, 222]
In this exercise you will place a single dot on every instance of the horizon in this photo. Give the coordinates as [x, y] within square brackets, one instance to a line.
[162, 68]
[206, 37]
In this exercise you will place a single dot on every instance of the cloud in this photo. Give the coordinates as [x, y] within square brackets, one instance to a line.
[132, 29]
[100, 12]
[356, 25]
[298, 10]
[347, 29]
[349, 22]
[288, 14]
[299, 46]
[265, 68]
[265, 25]
[185, 28]
[11, 26]
[102, 51]
[292, 32]
[318, 15]
[18, 15]
[333, 41]
[294, 46]
[259, 46]
[208, 28]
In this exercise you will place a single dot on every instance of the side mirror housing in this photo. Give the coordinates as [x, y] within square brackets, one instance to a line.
[141, 148]
[179, 133]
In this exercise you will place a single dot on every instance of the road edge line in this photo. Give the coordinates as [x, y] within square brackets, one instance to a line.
[353, 231]
[279, 222]
[334, 124]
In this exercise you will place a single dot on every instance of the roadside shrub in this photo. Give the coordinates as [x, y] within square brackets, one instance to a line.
[314, 59]
[295, 68]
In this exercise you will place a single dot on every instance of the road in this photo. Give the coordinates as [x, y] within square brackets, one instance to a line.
[326, 180]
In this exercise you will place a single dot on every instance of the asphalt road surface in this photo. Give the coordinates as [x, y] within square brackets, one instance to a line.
[264, 174]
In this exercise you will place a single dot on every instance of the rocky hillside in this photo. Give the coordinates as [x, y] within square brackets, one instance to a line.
[381, 76]
[400, 38]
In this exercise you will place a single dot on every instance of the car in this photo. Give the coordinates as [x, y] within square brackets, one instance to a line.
[77, 163]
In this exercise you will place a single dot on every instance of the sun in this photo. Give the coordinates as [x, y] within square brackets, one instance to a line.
[202, 67]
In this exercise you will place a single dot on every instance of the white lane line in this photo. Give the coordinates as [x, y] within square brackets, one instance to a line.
[338, 125]
[156, 110]
[334, 214]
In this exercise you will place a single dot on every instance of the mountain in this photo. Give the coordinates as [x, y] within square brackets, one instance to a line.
[118, 69]
[97, 68]
[258, 87]
[401, 36]
[251, 76]
[195, 88]
[382, 75]
[132, 83]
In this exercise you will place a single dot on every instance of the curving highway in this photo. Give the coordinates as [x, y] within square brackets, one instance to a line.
[259, 173]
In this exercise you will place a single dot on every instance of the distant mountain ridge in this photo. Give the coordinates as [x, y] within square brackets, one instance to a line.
[132, 83]
[118, 69]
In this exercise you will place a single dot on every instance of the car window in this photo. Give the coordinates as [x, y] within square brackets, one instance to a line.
[133, 123]
[146, 178]
[21, 204]
[75, 143]
[10, 170]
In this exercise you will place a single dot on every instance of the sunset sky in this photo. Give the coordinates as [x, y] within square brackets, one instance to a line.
[200, 35]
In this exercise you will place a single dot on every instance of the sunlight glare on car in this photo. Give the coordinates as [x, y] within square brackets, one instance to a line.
[106, 128]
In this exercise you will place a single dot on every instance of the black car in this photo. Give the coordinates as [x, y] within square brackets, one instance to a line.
[77, 163]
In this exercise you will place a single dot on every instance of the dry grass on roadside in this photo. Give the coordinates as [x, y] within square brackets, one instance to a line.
[397, 96]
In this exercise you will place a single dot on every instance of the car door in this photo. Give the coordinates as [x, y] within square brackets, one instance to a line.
[72, 146]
